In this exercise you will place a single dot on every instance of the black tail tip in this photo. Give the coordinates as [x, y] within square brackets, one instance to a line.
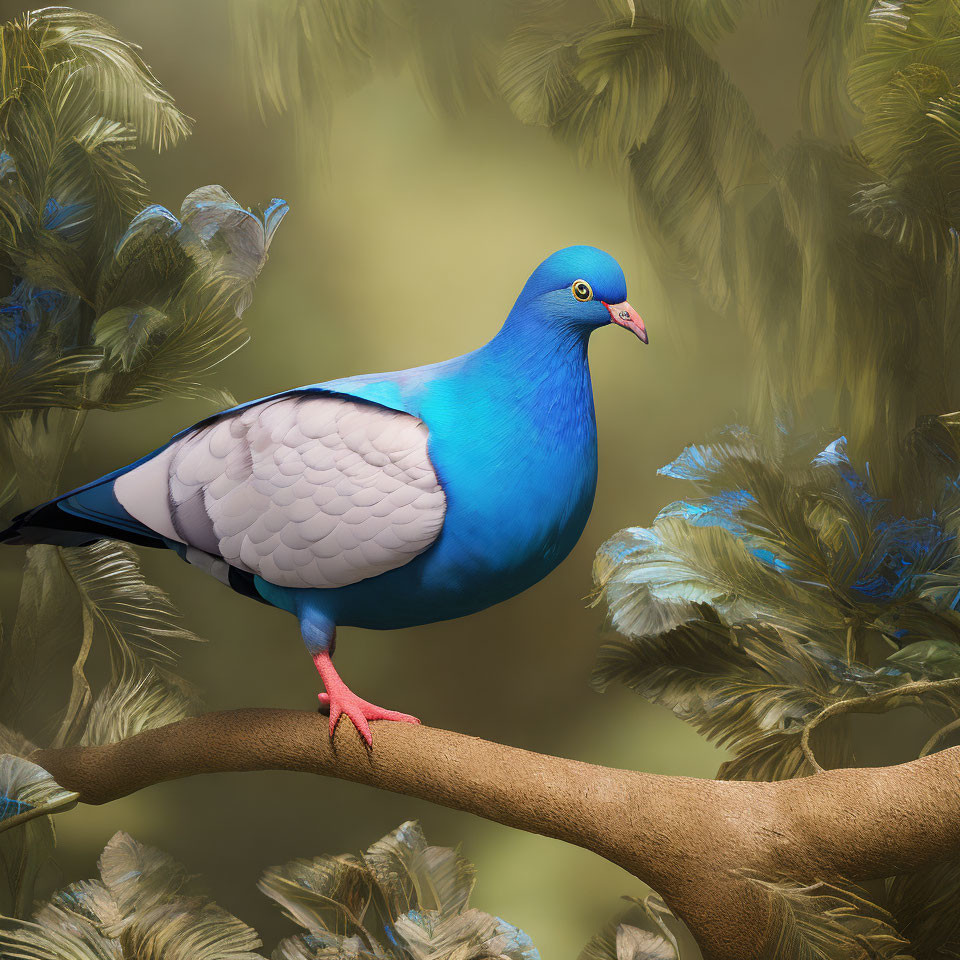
[26, 531]
[48, 523]
[14, 533]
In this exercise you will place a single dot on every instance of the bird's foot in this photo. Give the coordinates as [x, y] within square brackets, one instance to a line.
[340, 700]
[359, 711]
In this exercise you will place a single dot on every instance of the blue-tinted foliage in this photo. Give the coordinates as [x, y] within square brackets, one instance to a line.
[721, 510]
[68, 219]
[152, 219]
[890, 554]
[10, 807]
[29, 310]
[517, 942]
[788, 578]
[700, 464]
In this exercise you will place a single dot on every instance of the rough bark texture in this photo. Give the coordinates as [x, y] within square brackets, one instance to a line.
[691, 840]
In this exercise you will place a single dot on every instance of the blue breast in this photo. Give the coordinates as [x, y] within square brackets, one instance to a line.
[513, 440]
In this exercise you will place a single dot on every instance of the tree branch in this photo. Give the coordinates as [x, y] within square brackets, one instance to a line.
[695, 841]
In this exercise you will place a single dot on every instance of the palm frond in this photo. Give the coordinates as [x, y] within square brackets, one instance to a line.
[166, 357]
[226, 240]
[301, 55]
[140, 697]
[15, 743]
[174, 294]
[148, 262]
[624, 77]
[133, 613]
[12, 206]
[835, 37]
[622, 939]
[818, 525]
[653, 579]
[69, 173]
[125, 333]
[898, 117]
[136, 908]
[138, 877]
[705, 20]
[7, 492]
[28, 791]
[935, 658]
[921, 32]
[125, 89]
[191, 930]
[823, 922]
[922, 907]
[47, 626]
[757, 606]
[909, 136]
[536, 75]
[749, 689]
[641, 94]
[425, 933]
[28, 794]
[910, 212]
[76, 99]
[402, 899]
[453, 49]
[67, 595]
[30, 383]
[118, 189]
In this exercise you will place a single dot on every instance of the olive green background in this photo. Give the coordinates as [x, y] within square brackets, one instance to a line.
[409, 245]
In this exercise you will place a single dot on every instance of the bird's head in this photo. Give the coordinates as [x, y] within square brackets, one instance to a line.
[581, 288]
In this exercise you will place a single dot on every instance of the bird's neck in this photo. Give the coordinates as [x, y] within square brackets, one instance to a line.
[528, 340]
[541, 365]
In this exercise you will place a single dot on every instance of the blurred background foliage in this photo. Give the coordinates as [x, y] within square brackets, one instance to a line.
[399, 900]
[835, 250]
[778, 181]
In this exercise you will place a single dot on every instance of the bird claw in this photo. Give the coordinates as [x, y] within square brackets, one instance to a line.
[340, 700]
[358, 711]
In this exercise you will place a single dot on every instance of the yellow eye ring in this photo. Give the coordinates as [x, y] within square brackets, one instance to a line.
[582, 290]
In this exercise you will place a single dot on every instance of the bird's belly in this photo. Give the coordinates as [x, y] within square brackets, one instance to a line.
[491, 548]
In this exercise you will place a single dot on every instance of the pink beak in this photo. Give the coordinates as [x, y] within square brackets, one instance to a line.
[625, 316]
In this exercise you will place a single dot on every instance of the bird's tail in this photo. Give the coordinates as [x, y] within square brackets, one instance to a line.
[79, 518]
[47, 523]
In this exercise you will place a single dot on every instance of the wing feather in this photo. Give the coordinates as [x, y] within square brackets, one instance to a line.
[303, 490]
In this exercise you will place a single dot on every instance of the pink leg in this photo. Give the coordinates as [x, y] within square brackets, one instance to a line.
[342, 700]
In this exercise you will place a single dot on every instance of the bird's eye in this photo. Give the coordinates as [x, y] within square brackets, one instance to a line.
[582, 290]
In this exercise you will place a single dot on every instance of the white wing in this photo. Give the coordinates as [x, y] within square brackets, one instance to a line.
[306, 491]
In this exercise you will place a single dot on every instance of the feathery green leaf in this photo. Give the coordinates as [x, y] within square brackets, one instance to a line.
[401, 899]
[835, 37]
[140, 697]
[28, 795]
[135, 909]
[133, 614]
[823, 922]
[124, 87]
[923, 904]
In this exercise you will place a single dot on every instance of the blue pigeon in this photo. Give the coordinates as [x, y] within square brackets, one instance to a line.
[383, 500]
